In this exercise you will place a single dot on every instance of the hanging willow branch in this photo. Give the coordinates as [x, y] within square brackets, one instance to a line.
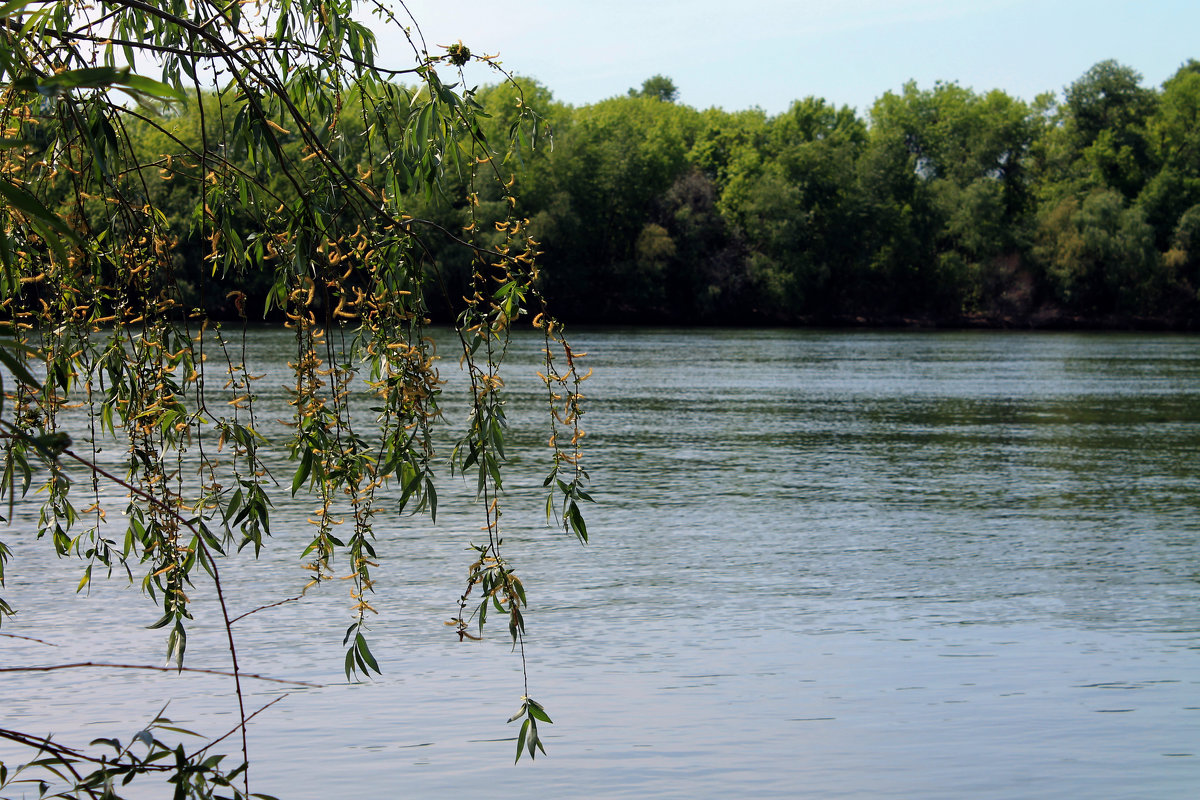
[166, 168]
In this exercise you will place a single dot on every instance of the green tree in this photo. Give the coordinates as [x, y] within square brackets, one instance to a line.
[972, 197]
[612, 163]
[789, 194]
[1174, 138]
[657, 87]
[1100, 257]
[1106, 112]
[1183, 259]
[267, 145]
[1174, 130]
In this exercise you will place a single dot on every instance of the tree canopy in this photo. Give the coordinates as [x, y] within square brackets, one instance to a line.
[940, 205]
[659, 87]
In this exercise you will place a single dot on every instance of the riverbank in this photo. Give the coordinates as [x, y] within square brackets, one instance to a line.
[1047, 320]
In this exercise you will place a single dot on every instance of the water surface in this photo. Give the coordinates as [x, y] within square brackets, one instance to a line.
[824, 564]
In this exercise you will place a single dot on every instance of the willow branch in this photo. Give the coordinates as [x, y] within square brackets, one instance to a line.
[152, 668]
[28, 639]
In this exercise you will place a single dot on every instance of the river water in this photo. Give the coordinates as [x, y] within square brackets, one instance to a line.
[823, 564]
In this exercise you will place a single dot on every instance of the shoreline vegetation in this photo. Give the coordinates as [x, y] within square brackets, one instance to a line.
[937, 207]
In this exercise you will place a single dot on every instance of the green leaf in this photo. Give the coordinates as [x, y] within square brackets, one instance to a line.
[14, 6]
[140, 84]
[15, 364]
[431, 498]
[365, 651]
[302, 473]
[162, 621]
[532, 740]
[575, 518]
[30, 205]
[410, 487]
[521, 739]
[177, 643]
[538, 712]
[497, 435]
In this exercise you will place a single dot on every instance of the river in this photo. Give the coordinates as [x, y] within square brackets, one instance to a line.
[823, 564]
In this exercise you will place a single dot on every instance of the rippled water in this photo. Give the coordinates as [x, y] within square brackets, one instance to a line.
[824, 564]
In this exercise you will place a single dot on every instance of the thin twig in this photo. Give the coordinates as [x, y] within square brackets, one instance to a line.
[232, 731]
[264, 608]
[28, 639]
[237, 677]
[66, 756]
[98, 664]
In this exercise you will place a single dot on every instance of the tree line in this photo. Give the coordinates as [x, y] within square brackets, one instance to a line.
[941, 205]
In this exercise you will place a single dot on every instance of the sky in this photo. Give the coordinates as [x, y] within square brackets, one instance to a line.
[768, 53]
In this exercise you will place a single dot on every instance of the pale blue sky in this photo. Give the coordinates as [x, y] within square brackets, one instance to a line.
[767, 53]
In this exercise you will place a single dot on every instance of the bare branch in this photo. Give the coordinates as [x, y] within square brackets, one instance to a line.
[100, 665]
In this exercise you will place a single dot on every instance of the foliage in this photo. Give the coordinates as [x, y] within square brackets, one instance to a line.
[1100, 255]
[932, 205]
[659, 87]
[269, 165]
[941, 203]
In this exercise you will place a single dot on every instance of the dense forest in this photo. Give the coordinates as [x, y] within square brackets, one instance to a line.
[942, 205]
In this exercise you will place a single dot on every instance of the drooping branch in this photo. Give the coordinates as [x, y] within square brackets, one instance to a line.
[281, 184]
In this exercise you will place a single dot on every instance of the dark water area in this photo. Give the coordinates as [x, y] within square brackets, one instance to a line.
[823, 564]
